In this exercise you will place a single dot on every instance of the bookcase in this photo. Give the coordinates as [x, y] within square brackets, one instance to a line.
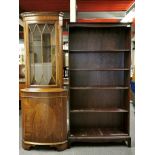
[99, 77]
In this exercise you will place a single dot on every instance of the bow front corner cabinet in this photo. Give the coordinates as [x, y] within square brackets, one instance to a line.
[44, 101]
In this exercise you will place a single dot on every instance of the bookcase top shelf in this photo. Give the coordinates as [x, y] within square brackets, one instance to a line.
[98, 25]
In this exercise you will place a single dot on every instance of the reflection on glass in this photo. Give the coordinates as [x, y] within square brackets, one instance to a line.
[42, 54]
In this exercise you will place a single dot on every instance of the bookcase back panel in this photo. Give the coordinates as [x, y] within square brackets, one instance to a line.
[98, 60]
[98, 38]
[97, 99]
[98, 120]
[97, 78]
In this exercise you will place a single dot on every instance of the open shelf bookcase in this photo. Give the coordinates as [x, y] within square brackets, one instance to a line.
[99, 78]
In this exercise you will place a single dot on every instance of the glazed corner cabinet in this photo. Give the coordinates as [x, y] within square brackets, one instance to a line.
[99, 77]
[44, 101]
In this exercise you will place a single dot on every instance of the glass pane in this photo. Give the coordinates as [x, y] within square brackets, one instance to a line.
[37, 45]
[42, 54]
[31, 52]
[46, 47]
[53, 55]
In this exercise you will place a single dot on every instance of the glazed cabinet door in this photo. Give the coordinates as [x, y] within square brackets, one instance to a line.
[43, 54]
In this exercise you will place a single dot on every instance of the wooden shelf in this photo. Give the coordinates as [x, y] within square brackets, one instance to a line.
[99, 51]
[101, 69]
[99, 87]
[42, 45]
[96, 132]
[98, 110]
[99, 25]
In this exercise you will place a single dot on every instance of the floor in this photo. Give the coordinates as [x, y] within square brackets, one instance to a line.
[88, 150]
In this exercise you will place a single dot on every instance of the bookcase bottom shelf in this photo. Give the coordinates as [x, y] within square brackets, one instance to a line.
[97, 132]
[99, 135]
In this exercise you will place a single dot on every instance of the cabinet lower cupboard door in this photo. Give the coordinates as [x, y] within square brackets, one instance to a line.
[44, 119]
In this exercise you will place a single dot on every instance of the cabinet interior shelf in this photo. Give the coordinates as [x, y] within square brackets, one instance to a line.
[98, 110]
[65, 50]
[42, 45]
[97, 132]
[101, 69]
[98, 51]
[99, 87]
